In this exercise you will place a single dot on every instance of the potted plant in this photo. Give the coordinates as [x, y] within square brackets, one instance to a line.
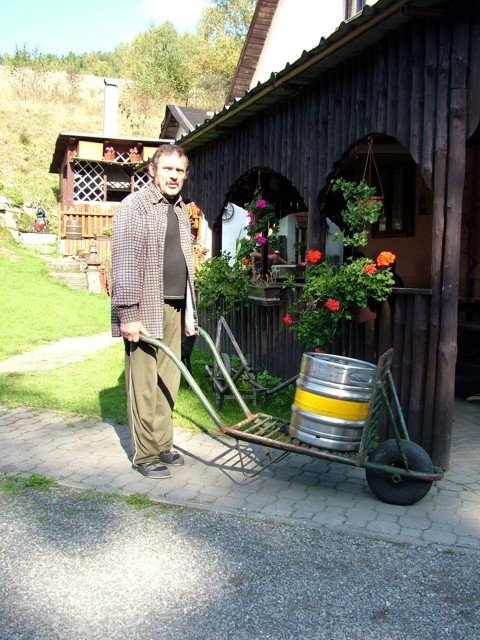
[134, 155]
[221, 285]
[109, 153]
[333, 293]
[265, 291]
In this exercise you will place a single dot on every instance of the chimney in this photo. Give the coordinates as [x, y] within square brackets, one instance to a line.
[110, 108]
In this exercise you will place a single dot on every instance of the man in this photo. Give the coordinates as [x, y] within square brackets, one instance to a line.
[153, 294]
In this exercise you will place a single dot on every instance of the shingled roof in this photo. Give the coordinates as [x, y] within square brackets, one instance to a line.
[252, 48]
[181, 120]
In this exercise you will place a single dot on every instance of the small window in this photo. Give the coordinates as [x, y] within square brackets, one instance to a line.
[352, 7]
[398, 182]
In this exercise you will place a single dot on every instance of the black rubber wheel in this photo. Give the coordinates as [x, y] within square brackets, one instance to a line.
[397, 489]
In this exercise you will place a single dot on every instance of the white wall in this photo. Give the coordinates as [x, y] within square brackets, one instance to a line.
[297, 26]
[233, 229]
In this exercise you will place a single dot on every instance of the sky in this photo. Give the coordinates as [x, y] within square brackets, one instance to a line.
[61, 26]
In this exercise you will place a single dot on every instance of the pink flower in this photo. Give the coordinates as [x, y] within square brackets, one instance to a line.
[288, 320]
[260, 238]
[261, 204]
[250, 214]
[332, 304]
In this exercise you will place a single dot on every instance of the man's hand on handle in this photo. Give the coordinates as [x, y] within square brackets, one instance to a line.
[131, 330]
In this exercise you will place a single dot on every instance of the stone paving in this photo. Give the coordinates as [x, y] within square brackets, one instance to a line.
[95, 455]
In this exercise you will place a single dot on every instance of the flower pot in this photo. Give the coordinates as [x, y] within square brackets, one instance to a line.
[135, 157]
[375, 199]
[264, 294]
[109, 155]
[363, 315]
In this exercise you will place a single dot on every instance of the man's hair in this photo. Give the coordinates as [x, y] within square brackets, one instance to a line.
[168, 150]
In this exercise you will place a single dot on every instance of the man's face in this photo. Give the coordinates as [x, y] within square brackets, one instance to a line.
[170, 173]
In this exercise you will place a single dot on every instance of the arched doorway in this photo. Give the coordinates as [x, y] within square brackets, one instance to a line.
[290, 210]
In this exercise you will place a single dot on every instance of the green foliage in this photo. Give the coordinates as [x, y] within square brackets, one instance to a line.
[24, 221]
[24, 137]
[221, 284]
[227, 18]
[15, 484]
[139, 501]
[157, 63]
[360, 211]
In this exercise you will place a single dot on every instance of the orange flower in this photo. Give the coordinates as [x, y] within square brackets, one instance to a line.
[370, 268]
[313, 256]
[385, 259]
[332, 304]
[288, 320]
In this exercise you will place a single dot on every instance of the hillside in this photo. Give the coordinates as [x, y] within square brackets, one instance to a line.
[34, 108]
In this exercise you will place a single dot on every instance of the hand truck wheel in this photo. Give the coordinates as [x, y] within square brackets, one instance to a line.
[396, 489]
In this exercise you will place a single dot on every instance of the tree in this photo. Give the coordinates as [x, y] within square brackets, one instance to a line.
[227, 18]
[223, 28]
[157, 63]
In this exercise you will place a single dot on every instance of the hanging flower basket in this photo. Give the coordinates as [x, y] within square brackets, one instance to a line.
[375, 200]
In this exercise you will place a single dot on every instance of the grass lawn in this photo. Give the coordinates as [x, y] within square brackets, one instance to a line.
[36, 309]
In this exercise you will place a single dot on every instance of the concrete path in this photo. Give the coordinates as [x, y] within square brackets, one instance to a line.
[95, 455]
[60, 353]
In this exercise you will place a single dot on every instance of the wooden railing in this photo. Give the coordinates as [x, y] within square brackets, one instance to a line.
[94, 217]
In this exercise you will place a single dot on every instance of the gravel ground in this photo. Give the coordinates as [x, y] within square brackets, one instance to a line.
[78, 566]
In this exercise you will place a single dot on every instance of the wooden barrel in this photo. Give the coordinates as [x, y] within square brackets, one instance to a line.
[73, 230]
[331, 401]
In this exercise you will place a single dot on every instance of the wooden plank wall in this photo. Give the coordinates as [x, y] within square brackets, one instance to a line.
[415, 85]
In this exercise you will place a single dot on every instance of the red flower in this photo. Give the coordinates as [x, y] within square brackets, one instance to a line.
[246, 261]
[318, 350]
[370, 268]
[385, 259]
[288, 320]
[332, 304]
[302, 264]
[313, 256]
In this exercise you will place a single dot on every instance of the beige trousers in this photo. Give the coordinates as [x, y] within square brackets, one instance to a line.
[152, 381]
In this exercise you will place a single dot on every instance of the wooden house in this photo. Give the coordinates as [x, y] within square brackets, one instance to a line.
[404, 73]
[96, 172]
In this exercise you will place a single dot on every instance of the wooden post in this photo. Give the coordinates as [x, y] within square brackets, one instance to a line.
[455, 178]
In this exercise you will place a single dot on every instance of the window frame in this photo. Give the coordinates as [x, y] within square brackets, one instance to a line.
[349, 13]
[389, 170]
